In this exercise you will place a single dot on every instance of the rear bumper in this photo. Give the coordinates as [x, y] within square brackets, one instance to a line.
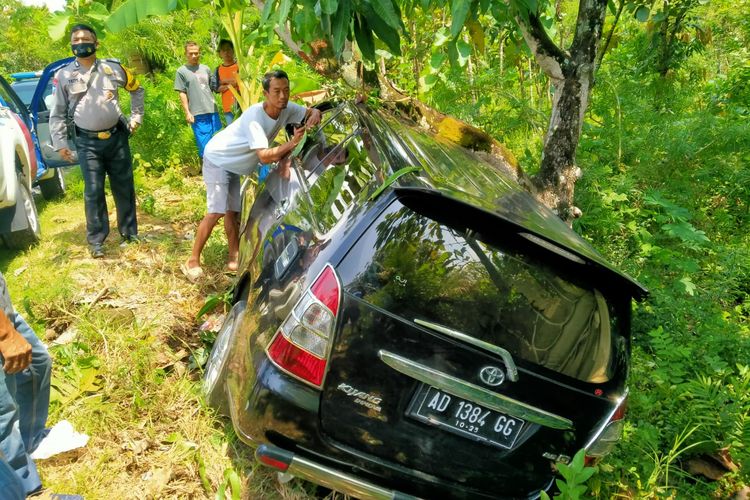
[291, 463]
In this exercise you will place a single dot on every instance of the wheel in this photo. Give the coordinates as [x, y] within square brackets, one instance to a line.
[54, 187]
[28, 236]
[215, 375]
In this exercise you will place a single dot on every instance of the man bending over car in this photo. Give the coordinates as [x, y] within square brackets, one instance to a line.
[237, 150]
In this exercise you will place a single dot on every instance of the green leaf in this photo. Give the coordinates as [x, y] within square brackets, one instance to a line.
[298, 147]
[284, 8]
[578, 460]
[427, 82]
[391, 179]
[329, 6]
[58, 26]
[387, 12]
[686, 232]
[267, 9]
[565, 471]
[132, 12]
[299, 84]
[441, 38]
[642, 13]
[363, 36]
[385, 32]
[464, 52]
[340, 26]
[436, 61]
[459, 11]
[338, 181]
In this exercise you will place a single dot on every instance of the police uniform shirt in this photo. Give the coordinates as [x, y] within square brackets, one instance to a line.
[93, 95]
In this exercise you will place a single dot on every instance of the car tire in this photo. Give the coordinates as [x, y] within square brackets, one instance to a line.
[54, 187]
[24, 238]
[216, 367]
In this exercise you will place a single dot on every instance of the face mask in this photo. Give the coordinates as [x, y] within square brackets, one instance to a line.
[83, 49]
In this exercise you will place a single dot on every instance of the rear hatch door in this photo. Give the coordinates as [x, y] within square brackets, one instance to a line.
[466, 360]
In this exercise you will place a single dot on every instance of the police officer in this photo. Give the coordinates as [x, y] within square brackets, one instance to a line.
[87, 95]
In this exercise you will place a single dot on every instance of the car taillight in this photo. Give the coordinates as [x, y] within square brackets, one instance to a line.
[300, 346]
[605, 439]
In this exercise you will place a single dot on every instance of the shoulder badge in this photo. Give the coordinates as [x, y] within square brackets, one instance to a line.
[107, 70]
[131, 82]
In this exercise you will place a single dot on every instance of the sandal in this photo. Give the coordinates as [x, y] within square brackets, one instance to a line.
[193, 274]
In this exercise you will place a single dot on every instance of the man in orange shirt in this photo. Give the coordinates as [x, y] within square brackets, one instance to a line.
[226, 76]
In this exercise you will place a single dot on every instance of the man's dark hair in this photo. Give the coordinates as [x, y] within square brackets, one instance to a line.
[82, 27]
[224, 42]
[273, 74]
[190, 43]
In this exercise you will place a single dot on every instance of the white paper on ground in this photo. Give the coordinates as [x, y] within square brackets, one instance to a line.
[61, 438]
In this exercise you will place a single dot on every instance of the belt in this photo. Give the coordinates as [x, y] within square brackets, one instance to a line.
[97, 134]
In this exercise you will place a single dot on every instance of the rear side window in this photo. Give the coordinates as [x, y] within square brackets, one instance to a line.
[337, 163]
[425, 270]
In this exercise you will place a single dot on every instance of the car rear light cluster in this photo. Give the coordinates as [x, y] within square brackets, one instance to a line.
[608, 435]
[300, 346]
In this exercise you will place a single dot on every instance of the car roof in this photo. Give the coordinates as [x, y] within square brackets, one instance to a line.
[460, 174]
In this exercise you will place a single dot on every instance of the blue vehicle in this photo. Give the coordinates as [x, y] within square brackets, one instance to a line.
[31, 96]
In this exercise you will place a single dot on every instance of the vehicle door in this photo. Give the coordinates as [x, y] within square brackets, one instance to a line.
[9, 98]
[40, 107]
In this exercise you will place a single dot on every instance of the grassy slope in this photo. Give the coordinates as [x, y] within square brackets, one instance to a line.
[127, 379]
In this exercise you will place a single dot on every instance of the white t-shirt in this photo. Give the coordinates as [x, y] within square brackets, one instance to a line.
[234, 148]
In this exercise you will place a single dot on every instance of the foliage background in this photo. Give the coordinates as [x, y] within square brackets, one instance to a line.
[665, 151]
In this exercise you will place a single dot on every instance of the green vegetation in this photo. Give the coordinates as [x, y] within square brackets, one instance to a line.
[665, 194]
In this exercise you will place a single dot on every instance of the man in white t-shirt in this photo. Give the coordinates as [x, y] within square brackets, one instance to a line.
[237, 150]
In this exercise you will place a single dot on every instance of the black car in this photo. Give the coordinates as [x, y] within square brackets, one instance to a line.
[409, 322]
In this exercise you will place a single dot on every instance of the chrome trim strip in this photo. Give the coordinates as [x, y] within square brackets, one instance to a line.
[340, 481]
[510, 365]
[475, 393]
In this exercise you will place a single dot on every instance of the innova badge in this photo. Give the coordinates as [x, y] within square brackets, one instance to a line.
[492, 375]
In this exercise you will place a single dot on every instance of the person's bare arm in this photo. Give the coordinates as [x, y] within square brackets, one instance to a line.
[270, 155]
[186, 108]
[16, 351]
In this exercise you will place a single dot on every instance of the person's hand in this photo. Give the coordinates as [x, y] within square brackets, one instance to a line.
[223, 88]
[66, 154]
[189, 117]
[134, 126]
[313, 119]
[16, 352]
[298, 134]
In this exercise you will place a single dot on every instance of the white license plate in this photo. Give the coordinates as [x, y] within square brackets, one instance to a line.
[465, 418]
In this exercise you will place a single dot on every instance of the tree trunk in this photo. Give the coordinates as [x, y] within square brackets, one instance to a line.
[572, 75]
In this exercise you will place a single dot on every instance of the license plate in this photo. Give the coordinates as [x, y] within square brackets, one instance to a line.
[462, 417]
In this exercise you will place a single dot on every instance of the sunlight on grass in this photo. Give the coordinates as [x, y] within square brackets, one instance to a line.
[123, 376]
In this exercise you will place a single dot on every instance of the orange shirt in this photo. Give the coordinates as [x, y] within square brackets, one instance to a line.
[228, 75]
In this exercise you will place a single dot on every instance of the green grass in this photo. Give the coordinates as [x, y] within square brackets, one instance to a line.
[129, 377]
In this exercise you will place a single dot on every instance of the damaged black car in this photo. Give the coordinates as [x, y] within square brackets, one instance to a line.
[410, 322]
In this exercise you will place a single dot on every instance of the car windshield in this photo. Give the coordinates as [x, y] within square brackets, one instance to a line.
[25, 90]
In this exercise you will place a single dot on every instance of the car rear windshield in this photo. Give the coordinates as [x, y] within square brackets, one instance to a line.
[425, 270]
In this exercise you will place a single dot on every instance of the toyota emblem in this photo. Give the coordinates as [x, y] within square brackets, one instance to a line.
[492, 375]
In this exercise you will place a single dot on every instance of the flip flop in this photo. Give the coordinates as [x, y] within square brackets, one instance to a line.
[193, 274]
